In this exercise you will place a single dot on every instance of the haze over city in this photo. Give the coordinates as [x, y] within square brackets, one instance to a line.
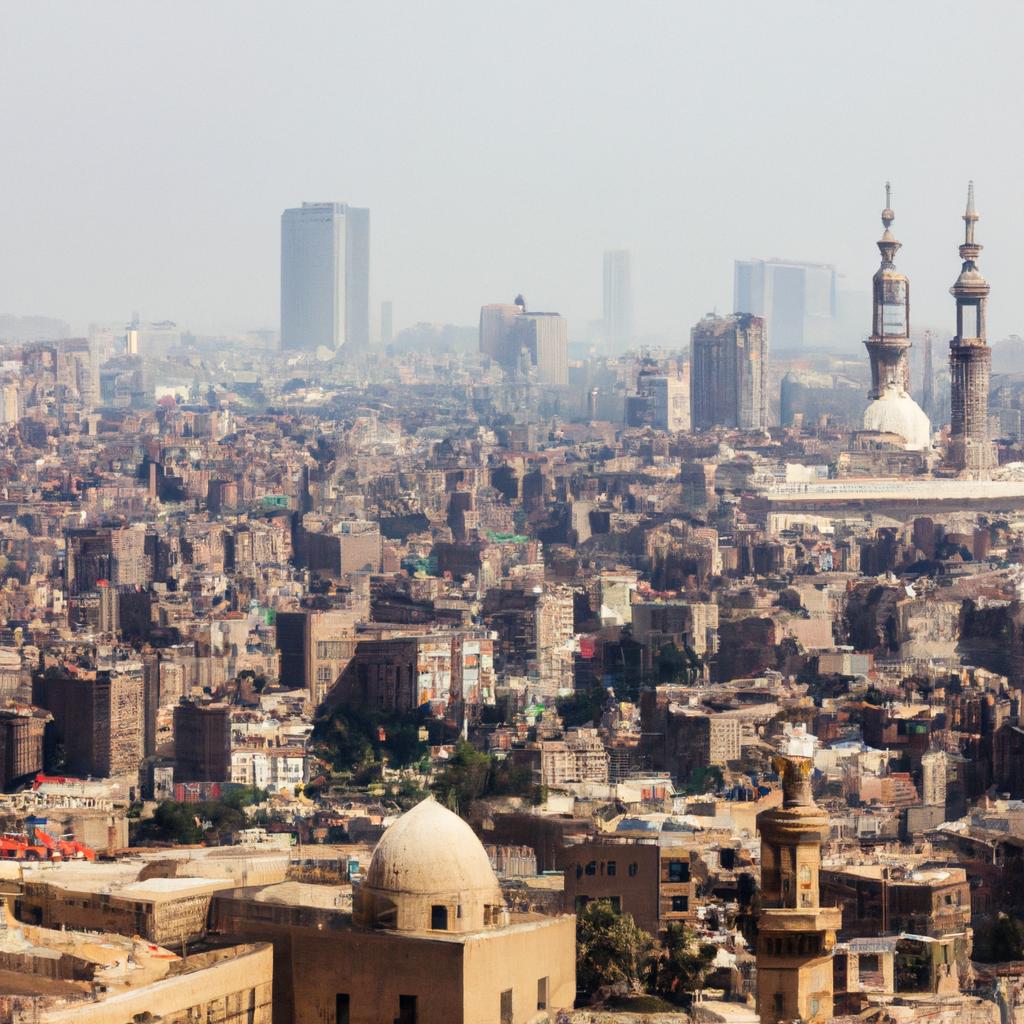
[148, 151]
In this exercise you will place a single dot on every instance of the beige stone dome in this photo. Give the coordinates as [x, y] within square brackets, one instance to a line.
[895, 412]
[430, 872]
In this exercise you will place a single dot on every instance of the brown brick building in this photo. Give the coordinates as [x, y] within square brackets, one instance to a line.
[641, 877]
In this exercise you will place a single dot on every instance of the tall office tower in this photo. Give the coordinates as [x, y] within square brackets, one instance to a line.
[325, 276]
[797, 300]
[891, 410]
[100, 721]
[729, 373]
[496, 320]
[386, 322]
[970, 361]
[544, 337]
[795, 934]
[618, 299]
[928, 382]
[88, 558]
[522, 341]
[202, 742]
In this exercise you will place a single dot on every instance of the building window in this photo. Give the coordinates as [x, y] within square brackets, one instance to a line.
[611, 869]
[867, 964]
[591, 868]
[542, 993]
[341, 1008]
[406, 1010]
[678, 871]
[680, 904]
[633, 868]
[439, 918]
[506, 1006]
[778, 1002]
[815, 1006]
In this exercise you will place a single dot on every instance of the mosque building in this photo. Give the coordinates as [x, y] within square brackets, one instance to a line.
[429, 940]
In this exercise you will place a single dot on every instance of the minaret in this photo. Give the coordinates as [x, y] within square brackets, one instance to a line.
[890, 409]
[795, 934]
[970, 361]
[890, 327]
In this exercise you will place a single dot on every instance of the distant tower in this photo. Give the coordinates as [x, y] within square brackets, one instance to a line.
[618, 299]
[325, 277]
[889, 343]
[928, 384]
[891, 410]
[970, 361]
[729, 373]
[795, 935]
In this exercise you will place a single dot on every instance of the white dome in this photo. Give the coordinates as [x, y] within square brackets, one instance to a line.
[430, 850]
[429, 873]
[895, 412]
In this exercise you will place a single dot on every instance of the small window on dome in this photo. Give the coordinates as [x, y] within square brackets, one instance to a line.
[439, 918]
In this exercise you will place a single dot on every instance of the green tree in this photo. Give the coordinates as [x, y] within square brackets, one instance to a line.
[465, 778]
[999, 939]
[681, 965]
[611, 949]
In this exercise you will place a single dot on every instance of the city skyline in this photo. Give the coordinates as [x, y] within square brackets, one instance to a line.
[455, 220]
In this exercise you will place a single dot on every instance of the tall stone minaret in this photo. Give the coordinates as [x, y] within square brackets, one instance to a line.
[889, 344]
[795, 934]
[970, 361]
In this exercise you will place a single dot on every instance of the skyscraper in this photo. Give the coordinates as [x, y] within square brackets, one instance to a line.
[325, 276]
[522, 341]
[928, 382]
[970, 361]
[496, 320]
[797, 300]
[729, 373]
[618, 299]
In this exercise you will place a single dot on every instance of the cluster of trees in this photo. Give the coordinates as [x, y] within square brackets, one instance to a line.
[999, 939]
[471, 775]
[354, 739]
[613, 952]
[180, 823]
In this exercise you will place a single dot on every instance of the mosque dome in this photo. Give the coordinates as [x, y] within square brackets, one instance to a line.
[430, 872]
[895, 412]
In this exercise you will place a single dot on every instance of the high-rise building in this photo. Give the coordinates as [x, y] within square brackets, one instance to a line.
[618, 299]
[525, 342]
[662, 400]
[202, 742]
[325, 276]
[797, 300]
[970, 361]
[729, 373]
[496, 320]
[99, 720]
[891, 410]
[795, 934]
[928, 381]
[544, 336]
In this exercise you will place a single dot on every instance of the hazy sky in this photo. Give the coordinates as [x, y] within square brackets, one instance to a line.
[147, 149]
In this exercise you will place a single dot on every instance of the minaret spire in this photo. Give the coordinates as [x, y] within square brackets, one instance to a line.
[970, 360]
[970, 217]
